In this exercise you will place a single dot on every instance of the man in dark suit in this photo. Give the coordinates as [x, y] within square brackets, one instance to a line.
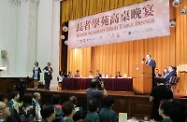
[152, 63]
[172, 73]
[157, 74]
[118, 74]
[48, 75]
[159, 93]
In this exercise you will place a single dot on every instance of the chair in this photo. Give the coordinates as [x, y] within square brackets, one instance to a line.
[59, 87]
[173, 83]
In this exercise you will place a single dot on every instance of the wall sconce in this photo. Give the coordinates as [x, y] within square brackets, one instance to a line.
[172, 23]
[63, 37]
[183, 11]
[2, 68]
[65, 28]
[66, 42]
[176, 3]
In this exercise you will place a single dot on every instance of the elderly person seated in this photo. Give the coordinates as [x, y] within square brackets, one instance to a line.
[4, 112]
[172, 72]
[105, 75]
[165, 72]
[118, 74]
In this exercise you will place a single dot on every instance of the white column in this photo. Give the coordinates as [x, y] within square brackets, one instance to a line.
[44, 34]
[26, 37]
[32, 35]
[55, 40]
[48, 36]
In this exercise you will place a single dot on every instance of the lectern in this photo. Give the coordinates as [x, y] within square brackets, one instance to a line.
[142, 79]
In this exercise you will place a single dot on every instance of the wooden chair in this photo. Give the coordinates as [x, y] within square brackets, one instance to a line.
[173, 83]
[59, 86]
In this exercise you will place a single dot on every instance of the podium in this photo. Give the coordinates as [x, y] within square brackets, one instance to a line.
[142, 79]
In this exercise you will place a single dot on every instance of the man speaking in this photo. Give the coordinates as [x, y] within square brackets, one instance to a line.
[152, 63]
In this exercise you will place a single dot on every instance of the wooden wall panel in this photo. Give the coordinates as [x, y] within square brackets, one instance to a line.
[181, 45]
[140, 107]
[134, 105]
[121, 105]
[7, 85]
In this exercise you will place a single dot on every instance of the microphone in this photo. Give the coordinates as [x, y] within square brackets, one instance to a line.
[143, 60]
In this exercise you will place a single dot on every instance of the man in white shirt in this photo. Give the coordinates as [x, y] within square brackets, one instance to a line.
[35, 101]
[105, 75]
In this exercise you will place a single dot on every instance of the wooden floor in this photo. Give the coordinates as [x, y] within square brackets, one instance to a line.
[113, 93]
[83, 92]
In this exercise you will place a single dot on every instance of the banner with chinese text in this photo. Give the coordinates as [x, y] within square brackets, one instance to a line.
[138, 21]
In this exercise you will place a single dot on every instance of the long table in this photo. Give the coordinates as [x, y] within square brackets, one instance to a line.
[114, 84]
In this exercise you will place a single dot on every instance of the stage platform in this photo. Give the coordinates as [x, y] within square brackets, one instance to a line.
[125, 101]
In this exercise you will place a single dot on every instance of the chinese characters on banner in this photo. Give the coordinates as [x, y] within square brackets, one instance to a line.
[139, 21]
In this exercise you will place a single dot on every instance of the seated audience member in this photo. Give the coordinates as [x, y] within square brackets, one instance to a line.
[157, 74]
[14, 105]
[79, 112]
[107, 114]
[4, 112]
[92, 115]
[165, 73]
[159, 93]
[27, 111]
[98, 74]
[91, 75]
[172, 73]
[118, 74]
[69, 111]
[105, 75]
[165, 110]
[77, 73]
[11, 119]
[3, 98]
[48, 113]
[178, 111]
[36, 103]
[69, 75]
[56, 101]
